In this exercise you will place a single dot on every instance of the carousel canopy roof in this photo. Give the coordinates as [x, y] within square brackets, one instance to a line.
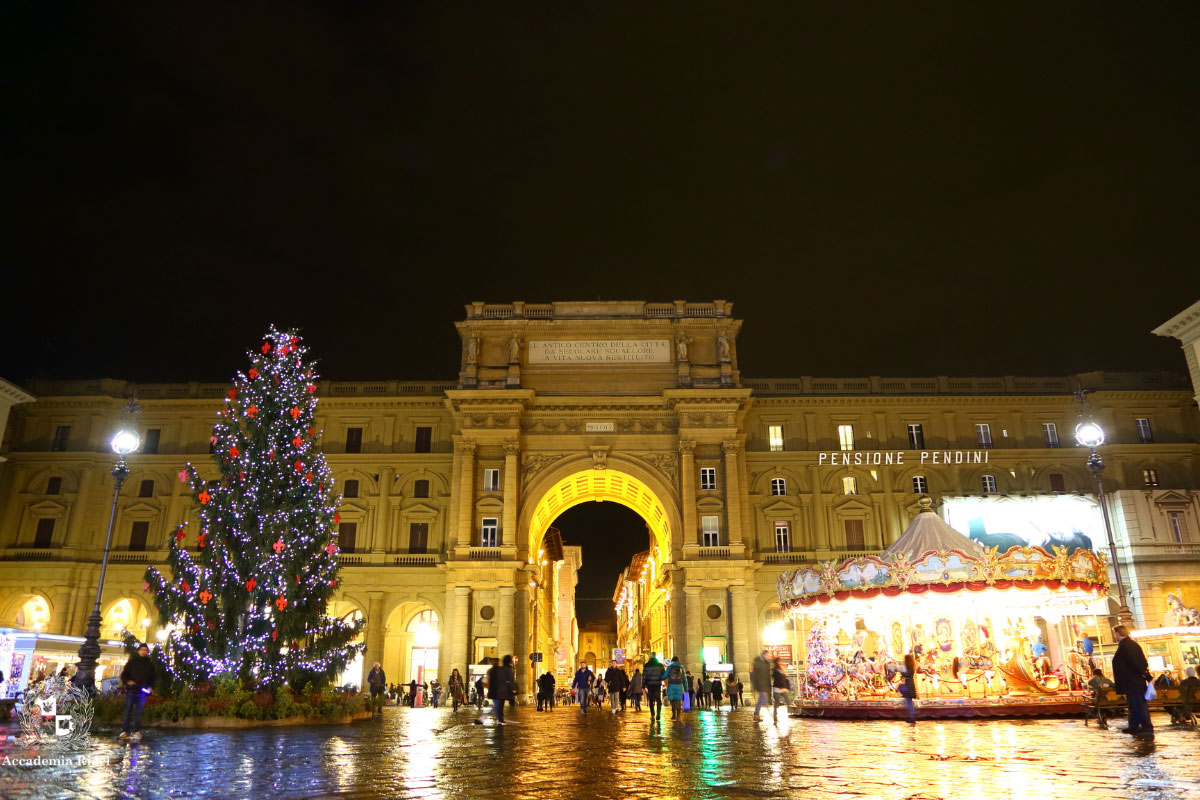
[929, 532]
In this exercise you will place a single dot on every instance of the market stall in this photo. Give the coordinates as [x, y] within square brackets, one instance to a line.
[28, 657]
[987, 633]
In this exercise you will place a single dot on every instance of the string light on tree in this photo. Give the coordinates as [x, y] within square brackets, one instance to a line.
[266, 564]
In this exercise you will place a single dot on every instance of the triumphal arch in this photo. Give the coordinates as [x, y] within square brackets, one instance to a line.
[604, 401]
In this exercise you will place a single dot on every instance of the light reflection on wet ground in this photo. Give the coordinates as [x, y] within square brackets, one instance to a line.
[429, 753]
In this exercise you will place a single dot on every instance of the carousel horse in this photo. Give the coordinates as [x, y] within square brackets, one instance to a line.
[1020, 676]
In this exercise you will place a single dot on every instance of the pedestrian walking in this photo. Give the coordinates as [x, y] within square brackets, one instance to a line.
[581, 684]
[456, 690]
[137, 679]
[780, 687]
[479, 687]
[652, 677]
[715, 690]
[760, 683]
[612, 682]
[635, 690]
[739, 692]
[908, 687]
[624, 693]
[676, 686]
[377, 681]
[731, 691]
[501, 687]
[436, 687]
[702, 690]
[1131, 673]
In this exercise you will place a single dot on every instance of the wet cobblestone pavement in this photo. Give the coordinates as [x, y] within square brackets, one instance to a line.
[430, 753]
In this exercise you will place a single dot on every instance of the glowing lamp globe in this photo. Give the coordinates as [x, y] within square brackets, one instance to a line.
[125, 442]
[1089, 434]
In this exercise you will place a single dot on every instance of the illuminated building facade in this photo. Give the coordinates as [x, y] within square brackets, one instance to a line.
[450, 489]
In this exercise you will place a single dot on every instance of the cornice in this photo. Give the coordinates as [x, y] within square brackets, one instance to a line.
[1184, 326]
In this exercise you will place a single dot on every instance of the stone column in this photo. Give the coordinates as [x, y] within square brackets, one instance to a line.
[524, 639]
[888, 532]
[687, 479]
[383, 516]
[512, 471]
[374, 635]
[741, 633]
[677, 639]
[690, 657]
[506, 633]
[460, 637]
[753, 627]
[60, 614]
[466, 494]
[12, 506]
[733, 497]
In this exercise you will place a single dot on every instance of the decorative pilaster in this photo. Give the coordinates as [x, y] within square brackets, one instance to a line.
[466, 493]
[733, 495]
[383, 516]
[512, 471]
[820, 529]
[687, 478]
[455, 639]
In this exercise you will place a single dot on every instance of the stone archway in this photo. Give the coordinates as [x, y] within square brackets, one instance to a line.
[622, 481]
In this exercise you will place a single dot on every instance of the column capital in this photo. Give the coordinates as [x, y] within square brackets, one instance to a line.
[466, 446]
[687, 446]
[507, 591]
[693, 591]
[512, 448]
[732, 446]
[462, 591]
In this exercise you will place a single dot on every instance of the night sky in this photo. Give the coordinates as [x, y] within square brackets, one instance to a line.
[904, 190]
[610, 535]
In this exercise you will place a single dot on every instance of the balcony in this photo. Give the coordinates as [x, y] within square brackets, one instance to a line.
[714, 553]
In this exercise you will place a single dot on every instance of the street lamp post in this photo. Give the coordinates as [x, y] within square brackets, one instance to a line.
[124, 442]
[1090, 435]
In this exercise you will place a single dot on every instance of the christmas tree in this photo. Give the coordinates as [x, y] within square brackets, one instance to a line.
[823, 666]
[250, 599]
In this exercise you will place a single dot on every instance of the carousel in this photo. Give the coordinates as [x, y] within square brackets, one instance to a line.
[987, 633]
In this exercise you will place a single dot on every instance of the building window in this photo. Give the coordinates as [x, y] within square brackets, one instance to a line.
[849, 485]
[54, 485]
[708, 478]
[150, 441]
[778, 487]
[146, 489]
[350, 489]
[1050, 434]
[347, 533]
[775, 437]
[855, 537]
[1150, 477]
[44, 535]
[1178, 526]
[989, 484]
[62, 434]
[920, 485]
[1057, 482]
[421, 488]
[491, 480]
[916, 437]
[353, 440]
[783, 537]
[710, 526]
[423, 441]
[846, 437]
[1145, 435]
[418, 537]
[138, 535]
[983, 434]
[488, 532]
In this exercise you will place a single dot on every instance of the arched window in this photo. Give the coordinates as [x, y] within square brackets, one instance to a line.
[425, 632]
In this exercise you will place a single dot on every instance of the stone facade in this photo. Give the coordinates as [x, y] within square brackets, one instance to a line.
[637, 403]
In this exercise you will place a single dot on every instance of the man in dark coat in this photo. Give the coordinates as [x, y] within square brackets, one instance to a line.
[137, 679]
[1131, 673]
[501, 687]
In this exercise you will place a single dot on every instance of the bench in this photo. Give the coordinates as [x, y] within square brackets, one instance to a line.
[1169, 700]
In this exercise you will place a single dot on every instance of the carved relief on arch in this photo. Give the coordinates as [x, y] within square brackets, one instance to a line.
[535, 463]
[666, 463]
